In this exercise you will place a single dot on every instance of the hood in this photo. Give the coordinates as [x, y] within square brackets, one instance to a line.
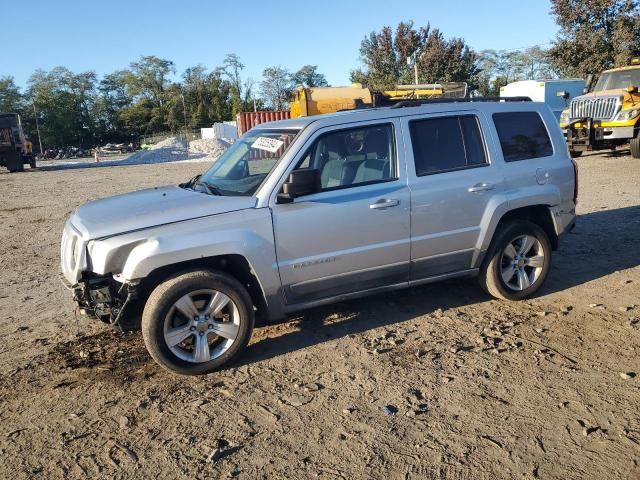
[626, 96]
[150, 208]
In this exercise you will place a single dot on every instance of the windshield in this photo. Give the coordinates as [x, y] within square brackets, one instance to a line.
[618, 80]
[243, 167]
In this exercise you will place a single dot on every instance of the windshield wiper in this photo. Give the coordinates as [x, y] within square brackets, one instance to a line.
[192, 182]
[209, 187]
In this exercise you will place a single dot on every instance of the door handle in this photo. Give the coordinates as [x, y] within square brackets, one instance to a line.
[384, 203]
[481, 187]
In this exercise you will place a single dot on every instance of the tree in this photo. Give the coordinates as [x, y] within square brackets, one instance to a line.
[11, 99]
[308, 76]
[594, 35]
[207, 96]
[148, 80]
[65, 101]
[388, 58]
[113, 97]
[232, 68]
[498, 68]
[276, 87]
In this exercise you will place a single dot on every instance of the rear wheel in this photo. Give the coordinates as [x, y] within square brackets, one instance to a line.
[518, 261]
[197, 322]
[32, 162]
[575, 153]
[634, 145]
[14, 163]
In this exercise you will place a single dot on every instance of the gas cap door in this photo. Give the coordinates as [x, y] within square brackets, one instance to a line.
[542, 176]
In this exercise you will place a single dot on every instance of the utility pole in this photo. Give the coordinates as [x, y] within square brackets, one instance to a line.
[37, 128]
[414, 57]
[184, 113]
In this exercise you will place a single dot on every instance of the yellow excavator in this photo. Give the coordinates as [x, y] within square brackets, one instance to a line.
[319, 100]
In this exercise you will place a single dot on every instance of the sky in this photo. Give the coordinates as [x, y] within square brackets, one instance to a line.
[106, 35]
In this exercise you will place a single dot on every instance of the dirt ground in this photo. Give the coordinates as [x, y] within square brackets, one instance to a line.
[433, 382]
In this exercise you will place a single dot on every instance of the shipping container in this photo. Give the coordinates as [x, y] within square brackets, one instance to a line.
[247, 120]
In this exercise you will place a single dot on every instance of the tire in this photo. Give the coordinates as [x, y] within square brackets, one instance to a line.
[634, 145]
[161, 316]
[506, 253]
[32, 162]
[575, 154]
[14, 163]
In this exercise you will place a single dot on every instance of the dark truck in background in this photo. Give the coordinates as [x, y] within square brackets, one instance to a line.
[15, 150]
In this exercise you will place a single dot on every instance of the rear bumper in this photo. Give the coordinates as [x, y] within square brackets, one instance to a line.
[564, 219]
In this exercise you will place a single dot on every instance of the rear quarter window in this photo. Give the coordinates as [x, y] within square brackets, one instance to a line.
[522, 135]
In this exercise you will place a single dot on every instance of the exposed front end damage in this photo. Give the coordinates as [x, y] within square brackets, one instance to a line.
[103, 298]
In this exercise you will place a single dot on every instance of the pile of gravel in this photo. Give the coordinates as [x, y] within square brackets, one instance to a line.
[170, 149]
[209, 148]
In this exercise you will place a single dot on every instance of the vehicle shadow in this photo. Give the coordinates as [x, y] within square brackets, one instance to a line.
[621, 152]
[602, 243]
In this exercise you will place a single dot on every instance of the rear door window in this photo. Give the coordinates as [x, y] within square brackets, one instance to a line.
[522, 135]
[447, 143]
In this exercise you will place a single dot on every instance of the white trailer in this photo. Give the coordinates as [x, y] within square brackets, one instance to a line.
[557, 94]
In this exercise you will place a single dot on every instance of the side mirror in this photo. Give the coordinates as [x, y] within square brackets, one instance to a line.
[562, 94]
[587, 83]
[300, 182]
[632, 89]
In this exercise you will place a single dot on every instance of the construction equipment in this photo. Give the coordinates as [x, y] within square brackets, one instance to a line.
[608, 116]
[15, 149]
[319, 100]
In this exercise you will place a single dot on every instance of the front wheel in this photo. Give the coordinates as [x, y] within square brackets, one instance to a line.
[197, 322]
[634, 145]
[517, 262]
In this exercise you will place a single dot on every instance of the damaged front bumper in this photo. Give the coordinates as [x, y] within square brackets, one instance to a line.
[103, 298]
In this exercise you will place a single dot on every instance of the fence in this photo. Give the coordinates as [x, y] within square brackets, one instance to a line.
[193, 134]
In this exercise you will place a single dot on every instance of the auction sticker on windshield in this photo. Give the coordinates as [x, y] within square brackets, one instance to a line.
[269, 144]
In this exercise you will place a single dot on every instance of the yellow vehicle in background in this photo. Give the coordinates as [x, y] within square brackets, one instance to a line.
[608, 116]
[319, 100]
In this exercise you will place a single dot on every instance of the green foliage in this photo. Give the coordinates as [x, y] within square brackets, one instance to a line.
[594, 35]
[10, 98]
[276, 87]
[80, 110]
[308, 76]
[388, 58]
[497, 68]
[65, 101]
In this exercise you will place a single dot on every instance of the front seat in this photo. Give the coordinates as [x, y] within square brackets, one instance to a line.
[332, 170]
[379, 168]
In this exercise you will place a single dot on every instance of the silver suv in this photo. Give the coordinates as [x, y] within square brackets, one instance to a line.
[305, 212]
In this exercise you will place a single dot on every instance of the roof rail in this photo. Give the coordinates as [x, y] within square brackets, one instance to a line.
[427, 101]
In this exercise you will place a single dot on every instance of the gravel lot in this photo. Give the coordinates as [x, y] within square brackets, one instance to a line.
[432, 382]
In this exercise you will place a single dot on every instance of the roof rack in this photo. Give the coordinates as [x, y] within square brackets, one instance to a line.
[427, 101]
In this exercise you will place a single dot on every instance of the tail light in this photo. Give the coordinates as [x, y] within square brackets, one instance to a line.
[575, 187]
